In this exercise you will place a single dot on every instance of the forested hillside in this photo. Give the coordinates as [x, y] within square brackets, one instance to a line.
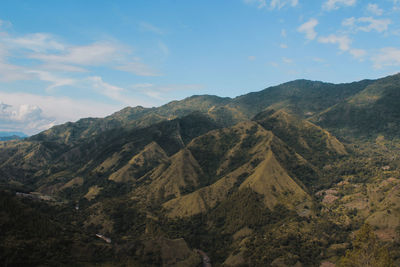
[282, 177]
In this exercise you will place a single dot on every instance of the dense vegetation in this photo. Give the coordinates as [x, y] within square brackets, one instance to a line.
[258, 180]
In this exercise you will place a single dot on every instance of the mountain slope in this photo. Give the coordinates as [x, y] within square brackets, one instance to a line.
[247, 162]
[181, 174]
[308, 139]
[302, 97]
[250, 181]
[55, 163]
[372, 111]
[152, 155]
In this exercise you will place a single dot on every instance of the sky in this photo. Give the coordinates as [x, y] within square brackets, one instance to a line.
[68, 59]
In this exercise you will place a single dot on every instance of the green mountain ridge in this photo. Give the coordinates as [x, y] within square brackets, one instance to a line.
[372, 111]
[302, 97]
[280, 177]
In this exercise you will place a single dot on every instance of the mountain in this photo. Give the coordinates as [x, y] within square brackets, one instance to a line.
[304, 136]
[372, 111]
[280, 177]
[302, 97]
[237, 158]
[6, 136]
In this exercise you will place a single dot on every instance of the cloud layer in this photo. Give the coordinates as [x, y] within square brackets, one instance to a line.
[335, 4]
[272, 4]
[25, 118]
[46, 59]
[308, 29]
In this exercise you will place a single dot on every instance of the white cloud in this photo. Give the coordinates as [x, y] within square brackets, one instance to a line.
[24, 117]
[45, 58]
[5, 24]
[334, 4]
[367, 24]
[141, 85]
[93, 54]
[308, 29]
[109, 90]
[61, 67]
[274, 4]
[349, 22]
[3, 52]
[287, 60]
[119, 94]
[138, 68]
[145, 26]
[10, 72]
[283, 46]
[97, 54]
[283, 33]
[343, 42]
[164, 92]
[260, 3]
[278, 4]
[38, 42]
[274, 64]
[319, 60]
[358, 53]
[251, 58]
[54, 80]
[374, 9]
[396, 4]
[164, 49]
[33, 113]
[378, 25]
[388, 56]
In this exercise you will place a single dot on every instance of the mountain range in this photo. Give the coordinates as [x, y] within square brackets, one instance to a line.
[279, 177]
[6, 136]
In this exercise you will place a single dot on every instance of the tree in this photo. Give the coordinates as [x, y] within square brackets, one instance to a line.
[366, 251]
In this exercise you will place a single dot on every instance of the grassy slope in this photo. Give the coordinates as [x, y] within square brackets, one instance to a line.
[370, 112]
[253, 175]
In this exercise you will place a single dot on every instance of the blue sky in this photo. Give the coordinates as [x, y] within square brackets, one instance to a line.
[63, 60]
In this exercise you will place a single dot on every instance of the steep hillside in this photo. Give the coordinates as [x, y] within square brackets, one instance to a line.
[129, 117]
[311, 141]
[181, 174]
[52, 163]
[233, 159]
[370, 112]
[35, 233]
[302, 97]
[258, 180]
[152, 155]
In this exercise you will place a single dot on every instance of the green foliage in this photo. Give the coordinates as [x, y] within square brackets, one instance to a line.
[35, 233]
[127, 217]
[209, 151]
[367, 251]
[30, 234]
[245, 208]
[299, 97]
[372, 111]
